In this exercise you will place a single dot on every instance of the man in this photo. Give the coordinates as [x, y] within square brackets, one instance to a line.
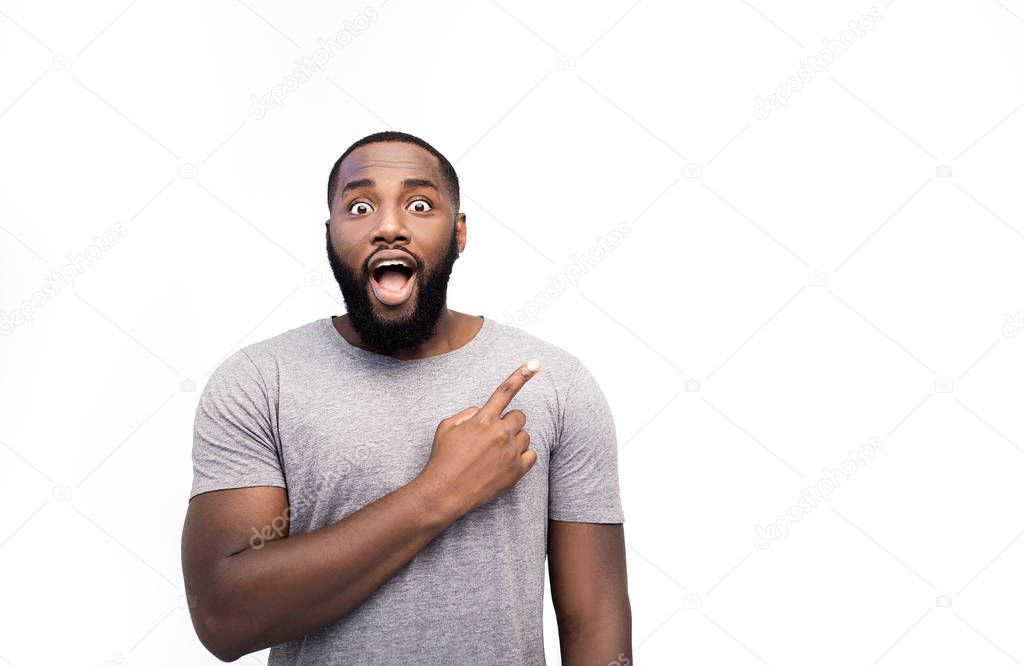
[360, 494]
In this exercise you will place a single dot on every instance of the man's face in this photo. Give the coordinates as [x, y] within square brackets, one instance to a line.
[385, 202]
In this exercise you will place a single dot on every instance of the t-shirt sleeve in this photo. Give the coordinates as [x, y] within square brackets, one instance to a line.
[583, 481]
[234, 442]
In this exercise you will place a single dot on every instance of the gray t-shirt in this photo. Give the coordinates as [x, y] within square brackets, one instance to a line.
[340, 426]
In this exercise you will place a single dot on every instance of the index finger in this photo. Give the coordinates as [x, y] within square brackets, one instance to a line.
[507, 390]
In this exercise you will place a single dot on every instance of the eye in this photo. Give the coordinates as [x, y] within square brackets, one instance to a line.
[424, 206]
[351, 208]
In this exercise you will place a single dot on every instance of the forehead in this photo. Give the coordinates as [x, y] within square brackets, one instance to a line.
[391, 160]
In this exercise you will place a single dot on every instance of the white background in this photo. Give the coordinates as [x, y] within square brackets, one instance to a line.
[817, 274]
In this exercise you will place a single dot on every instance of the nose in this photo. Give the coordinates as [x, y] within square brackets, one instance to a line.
[390, 227]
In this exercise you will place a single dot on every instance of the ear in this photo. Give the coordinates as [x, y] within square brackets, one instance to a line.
[460, 231]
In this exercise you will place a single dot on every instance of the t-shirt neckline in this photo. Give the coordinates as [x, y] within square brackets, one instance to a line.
[482, 336]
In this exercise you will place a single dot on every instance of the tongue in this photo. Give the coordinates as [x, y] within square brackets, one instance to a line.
[392, 280]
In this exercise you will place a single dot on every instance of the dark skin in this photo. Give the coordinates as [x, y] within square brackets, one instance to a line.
[243, 599]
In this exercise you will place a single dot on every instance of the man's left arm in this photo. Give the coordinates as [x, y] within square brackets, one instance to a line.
[586, 547]
[587, 566]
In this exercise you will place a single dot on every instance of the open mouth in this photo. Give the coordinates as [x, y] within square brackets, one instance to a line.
[392, 282]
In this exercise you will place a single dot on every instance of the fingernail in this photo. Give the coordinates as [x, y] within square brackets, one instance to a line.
[533, 365]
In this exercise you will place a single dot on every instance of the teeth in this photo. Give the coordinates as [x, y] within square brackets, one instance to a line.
[391, 262]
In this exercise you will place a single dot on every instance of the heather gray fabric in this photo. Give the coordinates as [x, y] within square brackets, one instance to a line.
[339, 427]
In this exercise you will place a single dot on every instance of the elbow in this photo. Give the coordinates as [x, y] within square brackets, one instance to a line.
[219, 635]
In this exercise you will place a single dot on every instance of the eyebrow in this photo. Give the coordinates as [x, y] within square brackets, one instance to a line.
[408, 183]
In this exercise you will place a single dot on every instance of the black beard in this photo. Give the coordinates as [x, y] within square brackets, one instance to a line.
[384, 336]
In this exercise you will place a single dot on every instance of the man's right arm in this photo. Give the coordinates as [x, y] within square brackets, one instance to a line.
[245, 597]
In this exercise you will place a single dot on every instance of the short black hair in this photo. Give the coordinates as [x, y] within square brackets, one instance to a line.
[451, 179]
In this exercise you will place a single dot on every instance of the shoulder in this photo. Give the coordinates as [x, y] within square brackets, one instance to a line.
[290, 342]
[265, 357]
